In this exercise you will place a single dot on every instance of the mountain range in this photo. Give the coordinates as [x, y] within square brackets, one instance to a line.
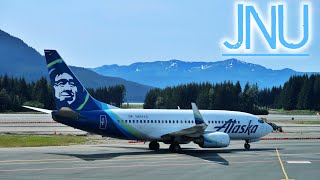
[17, 59]
[20, 60]
[174, 72]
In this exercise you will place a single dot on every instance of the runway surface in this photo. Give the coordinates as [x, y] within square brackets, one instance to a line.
[34, 124]
[296, 159]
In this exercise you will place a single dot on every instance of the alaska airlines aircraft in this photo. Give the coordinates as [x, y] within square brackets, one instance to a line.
[207, 128]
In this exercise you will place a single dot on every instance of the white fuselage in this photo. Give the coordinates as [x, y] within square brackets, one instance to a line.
[154, 123]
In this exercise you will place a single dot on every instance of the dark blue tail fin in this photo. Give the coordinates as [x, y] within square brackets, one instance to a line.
[68, 90]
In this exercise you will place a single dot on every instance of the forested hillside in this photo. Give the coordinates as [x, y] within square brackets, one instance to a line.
[16, 92]
[299, 92]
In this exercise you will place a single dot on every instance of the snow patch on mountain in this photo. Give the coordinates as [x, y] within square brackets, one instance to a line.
[172, 65]
[205, 67]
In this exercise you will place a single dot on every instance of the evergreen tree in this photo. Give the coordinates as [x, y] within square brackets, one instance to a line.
[4, 101]
[305, 95]
[316, 93]
[151, 98]
[203, 99]
[211, 98]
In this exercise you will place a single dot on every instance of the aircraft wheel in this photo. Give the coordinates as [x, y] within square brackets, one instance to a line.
[247, 146]
[175, 148]
[154, 145]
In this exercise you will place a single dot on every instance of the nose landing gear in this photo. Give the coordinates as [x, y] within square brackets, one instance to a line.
[247, 145]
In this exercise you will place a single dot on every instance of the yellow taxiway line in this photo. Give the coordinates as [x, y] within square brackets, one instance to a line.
[282, 166]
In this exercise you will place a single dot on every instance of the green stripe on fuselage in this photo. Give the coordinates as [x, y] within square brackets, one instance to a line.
[131, 130]
[127, 128]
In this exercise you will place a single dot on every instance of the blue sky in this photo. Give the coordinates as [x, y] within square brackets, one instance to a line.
[94, 33]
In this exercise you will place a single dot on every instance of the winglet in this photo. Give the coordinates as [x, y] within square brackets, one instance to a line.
[197, 116]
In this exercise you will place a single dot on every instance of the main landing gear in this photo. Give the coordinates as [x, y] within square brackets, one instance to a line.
[175, 148]
[154, 145]
[247, 145]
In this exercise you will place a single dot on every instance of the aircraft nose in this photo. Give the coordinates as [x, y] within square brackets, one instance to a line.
[269, 128]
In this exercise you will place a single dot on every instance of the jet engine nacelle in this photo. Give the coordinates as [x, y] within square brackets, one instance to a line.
[213, 140]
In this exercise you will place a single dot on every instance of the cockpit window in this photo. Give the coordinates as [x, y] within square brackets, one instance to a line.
[261, 121]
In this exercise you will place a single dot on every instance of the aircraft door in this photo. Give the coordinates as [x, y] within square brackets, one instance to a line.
[103, 121]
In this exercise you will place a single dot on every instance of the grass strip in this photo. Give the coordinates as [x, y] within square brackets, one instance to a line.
[292, 112]
[39, 140]
[308, 122]
[296, 121]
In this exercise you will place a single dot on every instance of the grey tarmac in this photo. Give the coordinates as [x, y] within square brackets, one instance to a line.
[116, 159]
[34, 124]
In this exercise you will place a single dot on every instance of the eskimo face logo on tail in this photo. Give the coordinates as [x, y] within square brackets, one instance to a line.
[231, 127]
[64, 87]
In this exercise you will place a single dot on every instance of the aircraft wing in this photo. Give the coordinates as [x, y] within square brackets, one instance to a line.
[194, 131]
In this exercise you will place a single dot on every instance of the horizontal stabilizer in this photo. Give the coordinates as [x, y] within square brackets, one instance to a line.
[38, 109]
